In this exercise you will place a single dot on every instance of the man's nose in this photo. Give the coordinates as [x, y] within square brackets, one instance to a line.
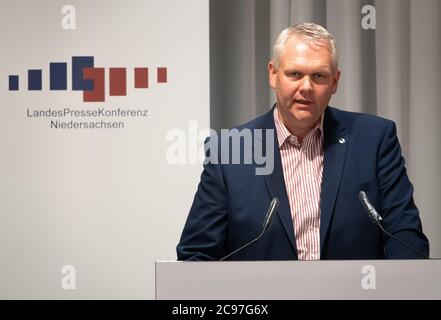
[306, 84]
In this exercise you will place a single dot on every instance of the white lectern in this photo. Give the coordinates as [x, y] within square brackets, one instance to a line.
[288, 280]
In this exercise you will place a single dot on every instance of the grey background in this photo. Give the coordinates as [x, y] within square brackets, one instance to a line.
[392, 71]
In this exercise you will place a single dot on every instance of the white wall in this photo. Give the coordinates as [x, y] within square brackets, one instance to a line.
[104, 201]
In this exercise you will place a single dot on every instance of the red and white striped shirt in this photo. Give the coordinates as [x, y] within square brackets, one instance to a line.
[302, 170]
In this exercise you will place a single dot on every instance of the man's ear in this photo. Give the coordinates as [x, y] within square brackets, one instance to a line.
[335, 80]
[272, 74]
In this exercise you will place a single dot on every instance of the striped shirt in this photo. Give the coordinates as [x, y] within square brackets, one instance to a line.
[302, 169]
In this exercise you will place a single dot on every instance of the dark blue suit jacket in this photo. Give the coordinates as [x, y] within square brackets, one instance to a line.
[231, 200]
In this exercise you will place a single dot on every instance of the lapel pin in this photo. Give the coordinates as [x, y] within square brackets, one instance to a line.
[341, 140]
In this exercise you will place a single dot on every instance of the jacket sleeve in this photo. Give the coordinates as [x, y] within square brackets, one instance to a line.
[205, 230]
[400, 215]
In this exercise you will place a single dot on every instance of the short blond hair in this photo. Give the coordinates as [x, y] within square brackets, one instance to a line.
[309, 32]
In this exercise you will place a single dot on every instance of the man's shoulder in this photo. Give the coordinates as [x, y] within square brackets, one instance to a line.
[359, 119]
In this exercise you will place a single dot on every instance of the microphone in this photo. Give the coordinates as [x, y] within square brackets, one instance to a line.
[372, 213]
[266, 223]
[376, 219]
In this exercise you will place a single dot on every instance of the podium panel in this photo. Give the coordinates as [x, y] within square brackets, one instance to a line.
[290, 280]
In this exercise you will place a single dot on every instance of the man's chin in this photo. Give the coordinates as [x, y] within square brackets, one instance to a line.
[303, 115]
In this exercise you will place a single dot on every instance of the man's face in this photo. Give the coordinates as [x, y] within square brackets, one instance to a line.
[304, 83]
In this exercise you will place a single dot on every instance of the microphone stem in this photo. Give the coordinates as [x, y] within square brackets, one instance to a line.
[244, 246]
[402, 242]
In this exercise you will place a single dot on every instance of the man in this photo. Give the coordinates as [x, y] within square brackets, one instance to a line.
[323, 158]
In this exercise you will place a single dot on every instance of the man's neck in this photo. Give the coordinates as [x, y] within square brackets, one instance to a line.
[295, 130]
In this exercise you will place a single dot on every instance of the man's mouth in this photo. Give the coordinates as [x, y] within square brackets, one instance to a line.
[302, 101]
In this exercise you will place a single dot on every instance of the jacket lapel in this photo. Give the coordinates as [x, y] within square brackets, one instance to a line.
[275, 182]
[336, 139]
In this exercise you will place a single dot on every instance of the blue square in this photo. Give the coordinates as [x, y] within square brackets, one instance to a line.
[13, 83]
[34, 79]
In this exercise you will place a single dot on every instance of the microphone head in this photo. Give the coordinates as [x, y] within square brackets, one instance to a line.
[373, 215]
[363, 199]
[274, 205]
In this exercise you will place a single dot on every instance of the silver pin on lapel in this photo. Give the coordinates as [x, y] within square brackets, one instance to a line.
[341, 140]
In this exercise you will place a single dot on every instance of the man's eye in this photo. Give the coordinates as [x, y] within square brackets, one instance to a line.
[320, 76]
[295, 74]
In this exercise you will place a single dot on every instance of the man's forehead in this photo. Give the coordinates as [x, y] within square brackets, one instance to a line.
[306, 53]
[301, 62]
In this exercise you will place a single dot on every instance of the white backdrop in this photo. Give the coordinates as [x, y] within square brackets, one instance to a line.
[104, 201]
